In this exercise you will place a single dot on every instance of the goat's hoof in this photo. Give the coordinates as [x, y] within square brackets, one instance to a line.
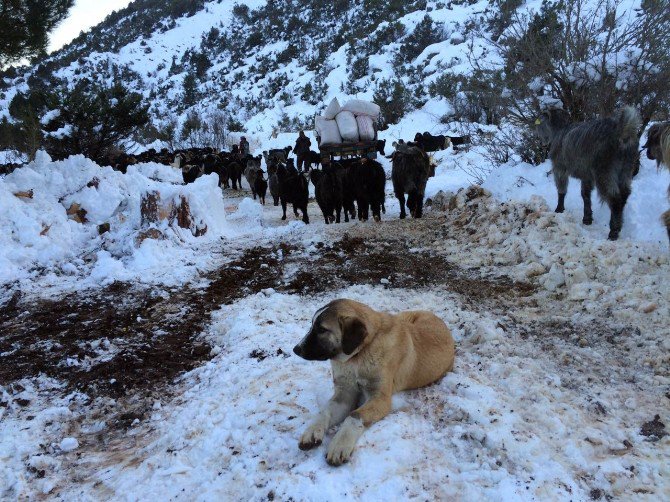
[559, 210]
[587, 221]
[613, 235]
[283, 217]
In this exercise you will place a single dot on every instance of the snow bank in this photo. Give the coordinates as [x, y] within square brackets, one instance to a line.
[642, 213]
[76, 218]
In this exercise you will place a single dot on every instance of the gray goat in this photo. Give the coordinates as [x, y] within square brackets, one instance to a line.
[251, 171]
[600, 152]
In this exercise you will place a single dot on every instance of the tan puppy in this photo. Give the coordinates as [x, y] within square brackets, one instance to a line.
[373, 355]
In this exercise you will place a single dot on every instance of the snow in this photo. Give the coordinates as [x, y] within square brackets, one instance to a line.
[69, 444]
[642, 213]
[38, 239]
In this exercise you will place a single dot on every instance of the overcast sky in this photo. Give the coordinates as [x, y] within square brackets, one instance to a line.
[84, 15]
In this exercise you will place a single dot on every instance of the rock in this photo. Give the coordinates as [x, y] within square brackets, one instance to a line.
[647, 308]
[105, 227]
[24, 195]
[653, 430]
[77, 213]
[149, 233]
[534, 269]
[149, 207]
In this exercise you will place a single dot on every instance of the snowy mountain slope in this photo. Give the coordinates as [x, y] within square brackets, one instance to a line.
[263, 63]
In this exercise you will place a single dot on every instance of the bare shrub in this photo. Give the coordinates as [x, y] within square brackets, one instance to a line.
[589, 58]
[199, 131]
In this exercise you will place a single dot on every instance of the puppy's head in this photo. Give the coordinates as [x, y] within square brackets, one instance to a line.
[337, 331]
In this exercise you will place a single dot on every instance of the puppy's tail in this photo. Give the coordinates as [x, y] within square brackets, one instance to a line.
[628, 124]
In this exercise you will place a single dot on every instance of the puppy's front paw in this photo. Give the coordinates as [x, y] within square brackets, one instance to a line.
[312, 437]
[339, 452]
[342, 445]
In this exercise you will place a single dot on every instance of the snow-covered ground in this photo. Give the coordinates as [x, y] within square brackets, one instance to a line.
[562, 344]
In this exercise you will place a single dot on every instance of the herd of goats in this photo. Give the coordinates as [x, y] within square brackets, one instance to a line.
[602, 153]
[355, 186]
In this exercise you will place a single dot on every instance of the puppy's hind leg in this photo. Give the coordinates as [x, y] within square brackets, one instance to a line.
[340, 405]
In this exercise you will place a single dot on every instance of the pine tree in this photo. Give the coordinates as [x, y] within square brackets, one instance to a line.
[96, 119]
[190, 90]
[394, 100]
[25, 27]
[426, 33]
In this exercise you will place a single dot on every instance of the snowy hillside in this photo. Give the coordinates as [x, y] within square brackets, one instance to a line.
[270, 65]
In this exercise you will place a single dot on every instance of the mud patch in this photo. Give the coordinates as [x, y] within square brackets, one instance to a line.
[395, 264]
[654, 430]
[121, 340]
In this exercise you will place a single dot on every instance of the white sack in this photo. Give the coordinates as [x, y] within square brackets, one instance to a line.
[360, 107]
[328, 131]
[346, 123]
[332, 110]
[366, 128]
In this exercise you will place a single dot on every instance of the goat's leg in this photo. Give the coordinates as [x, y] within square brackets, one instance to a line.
[561, 180]
[401, 199]
[283, 208]
[616, 205]
[418, 205]
[587, 188]
[411, 204]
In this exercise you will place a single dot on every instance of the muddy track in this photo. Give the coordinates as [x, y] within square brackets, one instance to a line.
[126, 343]
[120, 339]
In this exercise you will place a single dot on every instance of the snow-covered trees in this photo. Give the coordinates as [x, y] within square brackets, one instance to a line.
[589, 58]
[91, 119]
[25, 27]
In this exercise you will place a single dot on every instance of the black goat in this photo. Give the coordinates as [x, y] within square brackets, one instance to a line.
[328, 192]
[411, 170]
[273, 181]
[293, 189]
[429, 143]
[260, 186]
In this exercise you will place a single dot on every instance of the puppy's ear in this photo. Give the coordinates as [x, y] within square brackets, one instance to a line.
[353, 333]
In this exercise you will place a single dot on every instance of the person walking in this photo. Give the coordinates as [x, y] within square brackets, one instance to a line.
[301, 150]
[244, 146]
